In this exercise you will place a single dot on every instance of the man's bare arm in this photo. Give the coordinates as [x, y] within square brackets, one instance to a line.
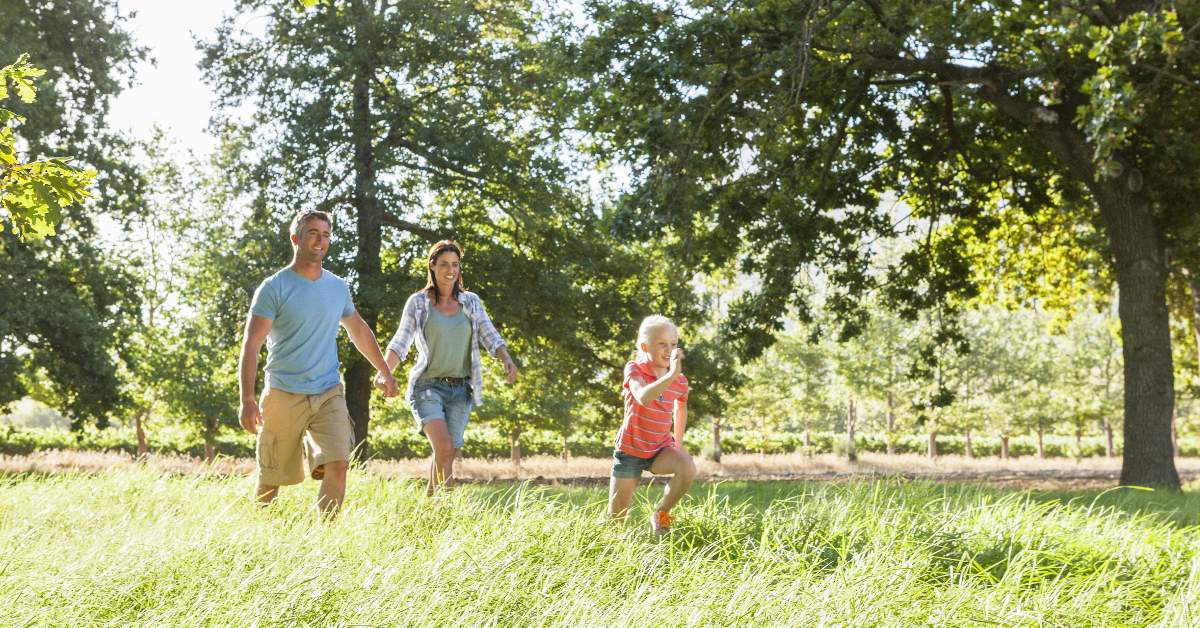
[257, 329]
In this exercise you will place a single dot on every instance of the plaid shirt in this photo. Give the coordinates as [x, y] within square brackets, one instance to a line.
[412, 327]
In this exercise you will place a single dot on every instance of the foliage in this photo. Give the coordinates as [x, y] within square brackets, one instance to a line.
[33, 194]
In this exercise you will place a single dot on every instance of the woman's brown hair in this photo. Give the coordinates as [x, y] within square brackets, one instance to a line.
[435, 251]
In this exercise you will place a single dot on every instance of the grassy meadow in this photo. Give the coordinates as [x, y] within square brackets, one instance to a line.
[139, 548]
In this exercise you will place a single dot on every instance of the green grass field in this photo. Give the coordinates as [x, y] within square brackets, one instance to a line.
[140, 549]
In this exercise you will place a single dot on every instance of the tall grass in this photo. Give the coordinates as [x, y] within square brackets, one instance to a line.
[143, 549]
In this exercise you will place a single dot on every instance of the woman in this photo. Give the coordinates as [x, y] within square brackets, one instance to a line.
[448, 324]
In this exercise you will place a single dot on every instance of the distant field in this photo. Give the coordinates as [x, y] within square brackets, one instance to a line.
[1025, 472]
[140, 548]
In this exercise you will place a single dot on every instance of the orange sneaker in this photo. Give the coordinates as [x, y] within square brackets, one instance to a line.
[660, 522]
[319, 473]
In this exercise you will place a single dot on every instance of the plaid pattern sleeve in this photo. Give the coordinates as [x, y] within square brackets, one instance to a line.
[484, 329]
[410, 325]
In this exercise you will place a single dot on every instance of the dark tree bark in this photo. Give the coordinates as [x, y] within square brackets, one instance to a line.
[369, 226]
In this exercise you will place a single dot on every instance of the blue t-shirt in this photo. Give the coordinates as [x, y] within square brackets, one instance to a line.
[302, 344]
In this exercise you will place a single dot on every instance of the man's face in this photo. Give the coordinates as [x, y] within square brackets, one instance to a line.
[313, 242]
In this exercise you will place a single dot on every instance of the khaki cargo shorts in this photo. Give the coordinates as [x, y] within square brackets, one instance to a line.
[316, 428]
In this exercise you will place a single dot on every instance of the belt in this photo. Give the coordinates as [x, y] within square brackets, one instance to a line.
[461, 381]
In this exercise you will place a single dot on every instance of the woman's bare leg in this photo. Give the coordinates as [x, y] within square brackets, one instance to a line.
[441, 468]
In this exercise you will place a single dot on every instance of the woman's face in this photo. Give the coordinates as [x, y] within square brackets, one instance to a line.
[446, 269]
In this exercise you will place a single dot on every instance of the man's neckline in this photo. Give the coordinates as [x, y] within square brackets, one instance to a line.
[298, 274]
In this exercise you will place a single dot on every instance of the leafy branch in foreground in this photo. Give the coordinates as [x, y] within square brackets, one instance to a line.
[33, 194]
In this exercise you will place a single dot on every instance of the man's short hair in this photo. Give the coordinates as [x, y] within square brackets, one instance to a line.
[302, 217]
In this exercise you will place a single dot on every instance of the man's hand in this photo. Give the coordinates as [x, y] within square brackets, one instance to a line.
[510, 368]
[250, 416]
[677, 361]
[386, 382]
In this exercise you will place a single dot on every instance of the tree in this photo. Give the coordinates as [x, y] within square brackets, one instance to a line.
[413, 121]
[779, 126]
[65, 308]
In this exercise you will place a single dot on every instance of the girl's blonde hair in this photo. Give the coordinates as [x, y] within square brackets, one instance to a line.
[651, 325]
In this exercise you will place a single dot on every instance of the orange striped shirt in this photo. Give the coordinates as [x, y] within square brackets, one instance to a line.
[647, 429]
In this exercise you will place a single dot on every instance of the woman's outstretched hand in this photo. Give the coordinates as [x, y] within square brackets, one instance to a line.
[510, 368]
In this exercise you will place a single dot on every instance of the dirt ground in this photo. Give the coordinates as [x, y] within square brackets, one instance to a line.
[1018, 473]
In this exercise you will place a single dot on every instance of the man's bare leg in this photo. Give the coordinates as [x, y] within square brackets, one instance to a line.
[333, 488]
[265, 493]
[441, 468]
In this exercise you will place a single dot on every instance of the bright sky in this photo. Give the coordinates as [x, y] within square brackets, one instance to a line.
[173, 94]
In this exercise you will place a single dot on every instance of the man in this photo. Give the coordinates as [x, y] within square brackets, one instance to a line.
[303, 414]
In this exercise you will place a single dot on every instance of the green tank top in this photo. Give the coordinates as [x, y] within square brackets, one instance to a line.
[449, 339]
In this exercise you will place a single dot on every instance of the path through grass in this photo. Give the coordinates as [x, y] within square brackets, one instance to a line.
[142, 549]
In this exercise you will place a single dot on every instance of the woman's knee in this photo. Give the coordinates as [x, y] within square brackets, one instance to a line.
[443, 452]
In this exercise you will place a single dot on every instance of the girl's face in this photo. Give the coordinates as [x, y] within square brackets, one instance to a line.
[660, 348]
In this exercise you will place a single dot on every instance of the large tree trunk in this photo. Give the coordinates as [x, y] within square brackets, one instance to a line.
[717, 439]
[369, 229]
[1195, 292]
[891, 427]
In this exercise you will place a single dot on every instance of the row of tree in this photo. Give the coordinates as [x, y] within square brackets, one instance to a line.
[1042, 151]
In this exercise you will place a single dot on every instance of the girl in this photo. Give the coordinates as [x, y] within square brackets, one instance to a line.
[656, 394]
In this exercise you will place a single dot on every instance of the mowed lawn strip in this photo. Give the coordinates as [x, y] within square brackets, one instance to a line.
[145, 549]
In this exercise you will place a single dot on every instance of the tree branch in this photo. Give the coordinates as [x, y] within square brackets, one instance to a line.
[394, 140]
[601, 360]
[392, 220]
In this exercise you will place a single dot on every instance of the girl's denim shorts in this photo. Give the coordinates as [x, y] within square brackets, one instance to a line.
[628, 466]
[439, 400]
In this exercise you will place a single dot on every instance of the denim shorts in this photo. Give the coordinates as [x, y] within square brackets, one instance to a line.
[627, 466]
[435, 399]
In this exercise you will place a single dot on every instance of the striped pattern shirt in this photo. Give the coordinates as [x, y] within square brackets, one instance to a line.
[647, 429]
[412, 326]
